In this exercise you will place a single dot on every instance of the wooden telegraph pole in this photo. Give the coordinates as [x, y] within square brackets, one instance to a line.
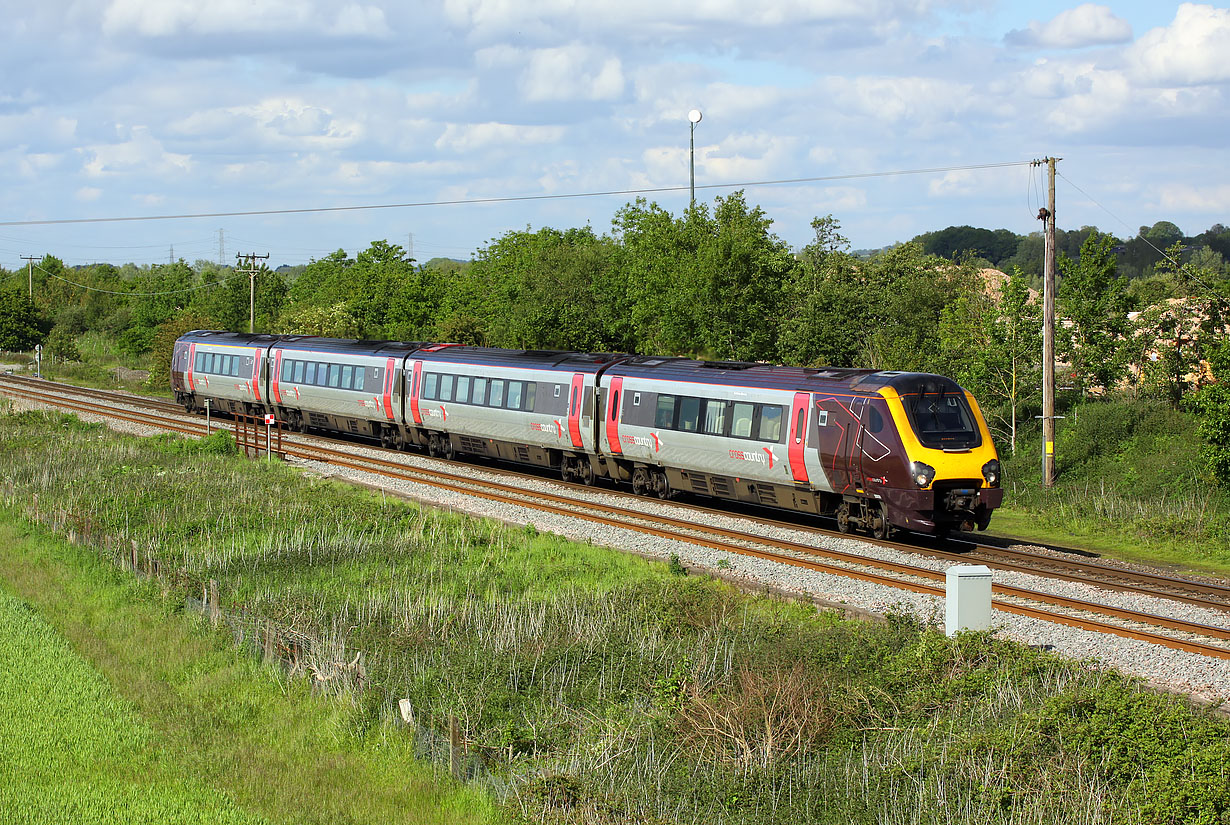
[30, 272]
[1047, 215]
[249, 261]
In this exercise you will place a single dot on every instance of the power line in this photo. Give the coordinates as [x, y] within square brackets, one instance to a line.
[517, 198]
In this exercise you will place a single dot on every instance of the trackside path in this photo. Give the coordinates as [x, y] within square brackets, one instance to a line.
[117, 707]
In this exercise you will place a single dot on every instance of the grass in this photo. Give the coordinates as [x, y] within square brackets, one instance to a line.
[174, 724]
[1132, 484]
[589, 686]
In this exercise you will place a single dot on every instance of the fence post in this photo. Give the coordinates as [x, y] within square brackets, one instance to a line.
[214, 612]
[454, 747]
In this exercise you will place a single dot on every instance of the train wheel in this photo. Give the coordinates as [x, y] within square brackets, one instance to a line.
[880, 528]
[661, 486]
[587, 473]
[843, 517]
[640, 481]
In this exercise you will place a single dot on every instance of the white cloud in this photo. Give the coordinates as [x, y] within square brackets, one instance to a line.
[573, 72]
[1086, 25]
[1194, 198]
[1194, 49]
[87, 194]
[171, 18]
[467, 137]
[141, 153]
[913, 100]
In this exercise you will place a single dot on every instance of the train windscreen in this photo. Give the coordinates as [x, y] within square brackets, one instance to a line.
[943, 420]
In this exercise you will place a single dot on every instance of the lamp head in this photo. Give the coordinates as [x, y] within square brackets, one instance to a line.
[694, 115]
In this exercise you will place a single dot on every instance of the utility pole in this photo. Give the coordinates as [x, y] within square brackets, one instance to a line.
[248, 262]
[1047, 216]
[221, 247]
[29, 259]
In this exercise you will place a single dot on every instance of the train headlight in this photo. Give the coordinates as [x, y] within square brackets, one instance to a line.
[923, 474]
[992, 472]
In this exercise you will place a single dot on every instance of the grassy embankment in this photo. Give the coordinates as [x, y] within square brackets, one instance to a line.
[116, 707]
[1132, 484]
[593, 687]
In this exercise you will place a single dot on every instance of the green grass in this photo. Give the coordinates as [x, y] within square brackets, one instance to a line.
[590, 686]
[158, 720]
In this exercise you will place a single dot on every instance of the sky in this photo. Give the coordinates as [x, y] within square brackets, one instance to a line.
[467, 119]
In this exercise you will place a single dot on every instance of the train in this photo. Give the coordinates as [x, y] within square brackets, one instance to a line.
[878, 450]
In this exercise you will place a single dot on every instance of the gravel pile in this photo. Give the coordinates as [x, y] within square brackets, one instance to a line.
[1203, 677]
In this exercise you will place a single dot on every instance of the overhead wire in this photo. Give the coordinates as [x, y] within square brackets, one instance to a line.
[515, 198]
[1178, 265]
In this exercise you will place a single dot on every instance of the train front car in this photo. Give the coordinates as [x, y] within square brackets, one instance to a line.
[943, 473]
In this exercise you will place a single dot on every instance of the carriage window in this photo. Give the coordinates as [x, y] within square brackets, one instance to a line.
[514, 394]
[615, 405]
[446, 387]
[347, 377]
[715, 417]
[770, 423]
[798, 426]
[298, 378]
[463, 389]
[429, 386]
[360, 376]
[479, 392]
[335, 375]
[235, 365]
[497, 392]
[531, 389]
[199, 364]
[689, 415]
[288, 369]
[741, 420]
[665, 415]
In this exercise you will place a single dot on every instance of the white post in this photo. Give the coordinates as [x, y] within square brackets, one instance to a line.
[206, 416]
[968, 602]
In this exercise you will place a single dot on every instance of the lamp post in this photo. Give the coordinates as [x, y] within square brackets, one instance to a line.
[693, 119]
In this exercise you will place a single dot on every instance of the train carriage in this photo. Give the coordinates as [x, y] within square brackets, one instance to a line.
[343, 385]
[227, 368]
[534, 407]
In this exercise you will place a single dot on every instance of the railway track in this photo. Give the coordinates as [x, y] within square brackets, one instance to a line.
[1210, 640]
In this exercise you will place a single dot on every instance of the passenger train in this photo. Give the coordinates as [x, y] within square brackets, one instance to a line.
[879, 450]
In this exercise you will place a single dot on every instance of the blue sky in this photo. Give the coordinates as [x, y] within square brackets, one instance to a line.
[121, 108]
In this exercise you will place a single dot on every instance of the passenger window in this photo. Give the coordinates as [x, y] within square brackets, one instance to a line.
[429, 386]
[514, 394]
[347, 377]
[770, 423]
[360, 375]
[298, 378]
[741, 420]
[715, 417]
[497, 392]
[288, 369]
[335, 375]
[665, 415]
[479, 391]
[798, 426]
[463, 389]
[689, 415]
[309, 376]
[446, 387]
[235, 365]
[531, 390]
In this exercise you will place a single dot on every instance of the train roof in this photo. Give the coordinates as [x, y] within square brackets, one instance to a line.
[313, 343]
[562, 360]
[777, 376]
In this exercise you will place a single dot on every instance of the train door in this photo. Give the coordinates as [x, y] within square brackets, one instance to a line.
[387, 394]
[191, 367]
[798, 437]
[415, 378]
[574, 409]
[839, 434]
[612, 414]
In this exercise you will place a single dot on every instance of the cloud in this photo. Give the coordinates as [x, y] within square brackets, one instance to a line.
[468, 137]
[140, 153]
[88, 194]
[573, 72]
[1192, 198]
[177, 18]
[1192, 50]
[1086, 25]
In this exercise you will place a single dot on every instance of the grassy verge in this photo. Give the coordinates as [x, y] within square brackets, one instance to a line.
[174, 725]
[587, 686]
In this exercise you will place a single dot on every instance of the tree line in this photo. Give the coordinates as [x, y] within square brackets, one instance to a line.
[712, 283]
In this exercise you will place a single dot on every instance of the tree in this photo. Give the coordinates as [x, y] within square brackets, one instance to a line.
[1212, 407]
[1093, 303]
[61, 345]
[993, 345]
[822, 301]
[19, 323]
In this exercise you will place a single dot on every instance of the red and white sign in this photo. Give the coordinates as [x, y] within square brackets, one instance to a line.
[269, 420]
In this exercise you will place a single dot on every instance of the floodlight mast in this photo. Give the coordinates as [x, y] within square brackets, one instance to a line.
[694, 117]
